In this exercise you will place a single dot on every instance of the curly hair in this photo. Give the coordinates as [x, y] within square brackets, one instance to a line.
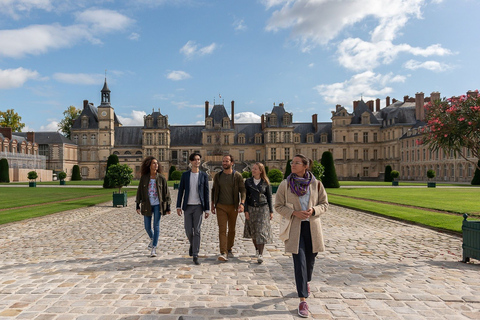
[145, 168]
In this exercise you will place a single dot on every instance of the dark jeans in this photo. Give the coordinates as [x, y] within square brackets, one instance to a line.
[304, 261]
[193, 221]
[156, 224]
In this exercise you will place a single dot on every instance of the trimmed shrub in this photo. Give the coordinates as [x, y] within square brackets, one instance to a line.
[246, 174]
[176, 175]
[76, 176]
[32, 175]
[4, 173]
[119, 175]
[388, 174]
[62, 175]
[394, 174]
[330, 179]
[431, 174]
[172, 169]
[476, 176]
[288, 169]
[275, 175]
[112, 159]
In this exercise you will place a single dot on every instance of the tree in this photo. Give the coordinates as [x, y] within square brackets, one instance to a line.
[476, 176]
[76, 176]
[66, 123]
[62, 175]
[395, 174]
[246, 174]
[453, 125]
[430, 174]
[330, 179]
[317, 170]
[112, 159]
[176, 175]
[32, 175]
[275, 175]
[11, 119]
[4, 172]
[172, 168]
[288, 169]
[119, 175]
[388, 174]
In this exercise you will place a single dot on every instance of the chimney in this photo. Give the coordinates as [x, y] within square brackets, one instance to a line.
[419, 106]
[355, 105]
[7, 132]
[337, 107]
[387, 101]
[370, 105]
[314, 122]
[377, 105]
[85, 104]
[206, 109]
[472, 93]
[31, 137]
[263, 122]
[394, 100]
[405, 98]
[233, 114]
[434, 96]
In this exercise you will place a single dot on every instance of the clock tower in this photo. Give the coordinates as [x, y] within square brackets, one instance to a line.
[106, 123]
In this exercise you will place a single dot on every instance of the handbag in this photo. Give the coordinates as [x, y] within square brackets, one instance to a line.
[285, 223]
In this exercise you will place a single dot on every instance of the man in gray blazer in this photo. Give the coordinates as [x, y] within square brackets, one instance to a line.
[194, 191]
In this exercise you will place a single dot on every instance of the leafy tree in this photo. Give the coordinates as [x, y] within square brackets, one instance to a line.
[430, 174]
[112, 159]
[32, 175]
[476, 176]
[119, 175]
[176, 175]
[66, 123]
[275, 175]
[11, 119]
[4, 173]
[288, 169]
[330, 179]
[453, 125]
[388, 174]
[395, 174]
[246, 174]
[76, 176]
[317, 170]
[172, 168]
[62, 175]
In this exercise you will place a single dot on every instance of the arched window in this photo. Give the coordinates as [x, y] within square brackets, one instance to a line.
[84, 139]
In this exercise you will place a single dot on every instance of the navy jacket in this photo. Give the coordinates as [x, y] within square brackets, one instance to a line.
[184, 190]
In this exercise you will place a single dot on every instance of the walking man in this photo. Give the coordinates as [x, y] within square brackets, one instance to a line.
[194, 191]
[228, 197]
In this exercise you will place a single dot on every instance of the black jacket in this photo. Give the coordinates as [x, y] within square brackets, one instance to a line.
[258, 195]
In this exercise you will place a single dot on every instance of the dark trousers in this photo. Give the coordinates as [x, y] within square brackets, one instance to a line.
[304, 261]
[193, 222]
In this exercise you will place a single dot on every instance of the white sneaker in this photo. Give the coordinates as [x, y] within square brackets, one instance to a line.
[260, 258]
[222, 257]
[150, 245]
[154, 252]
[230, 254]
[257, 253]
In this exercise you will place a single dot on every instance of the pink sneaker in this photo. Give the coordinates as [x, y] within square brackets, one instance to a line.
[303, 309]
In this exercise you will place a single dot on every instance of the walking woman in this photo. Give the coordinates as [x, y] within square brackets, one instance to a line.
[153, 199]
[302, 199]
[258, 209]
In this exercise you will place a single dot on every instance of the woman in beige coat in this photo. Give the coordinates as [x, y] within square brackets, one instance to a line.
[302, 199]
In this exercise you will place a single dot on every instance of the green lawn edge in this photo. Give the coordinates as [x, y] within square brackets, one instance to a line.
[438, 221]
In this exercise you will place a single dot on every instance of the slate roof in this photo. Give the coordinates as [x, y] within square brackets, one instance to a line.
[92, 113]
[361, 109]
[155, 115]
[218, 113]
[402, 112]
[128, 136]
[306, 128]
[48, 137]
[188, 135]
[249, 129]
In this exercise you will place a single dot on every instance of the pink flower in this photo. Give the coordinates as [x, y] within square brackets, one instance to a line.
[446, 135]
[461, 119]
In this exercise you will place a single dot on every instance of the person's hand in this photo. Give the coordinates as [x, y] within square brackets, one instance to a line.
[310, 211]
[179, 212]
[138, 211]
[206, 215]
[304, 214]
[213, 210]
[240, 208]
[271, 215]
[168, 212]
[247, 216]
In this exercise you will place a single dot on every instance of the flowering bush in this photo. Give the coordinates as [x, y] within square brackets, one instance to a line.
[454, 125]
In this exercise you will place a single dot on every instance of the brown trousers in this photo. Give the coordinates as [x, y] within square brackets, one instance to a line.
[226, 216]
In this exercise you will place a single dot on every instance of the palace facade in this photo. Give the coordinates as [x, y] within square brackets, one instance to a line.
[362, 142]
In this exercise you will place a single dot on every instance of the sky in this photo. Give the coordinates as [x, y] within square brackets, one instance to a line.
[174, 55]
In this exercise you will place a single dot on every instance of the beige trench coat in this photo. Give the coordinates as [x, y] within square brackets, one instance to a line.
[318, 201]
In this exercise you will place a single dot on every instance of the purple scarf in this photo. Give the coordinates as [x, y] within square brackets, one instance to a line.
[299, 185]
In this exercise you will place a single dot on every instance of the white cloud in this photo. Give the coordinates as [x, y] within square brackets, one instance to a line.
[191, 49]
[368, 85]
[239, 25]
[134, 119]
[14, 78]
[178, 75]
[15, 8]
[429, 65]
[79, 78]
[38, 39]
[247, 117]
[311, 65]
[51, 126]
[134, 36]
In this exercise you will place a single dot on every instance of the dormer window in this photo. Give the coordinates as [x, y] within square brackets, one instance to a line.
[287, 119]
[209, 123]
[310, 138]
[84, 122]
[161, 122]
[324, 138]
[365, 119]
[149, 122]
[258, 138]
[241, 138]
[273, 120]
[226, 123]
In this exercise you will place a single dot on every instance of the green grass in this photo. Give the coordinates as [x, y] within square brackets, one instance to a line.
[458, 200]
[439, 221]
[401, 183]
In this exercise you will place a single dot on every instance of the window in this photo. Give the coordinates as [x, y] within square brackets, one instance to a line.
[185, 156]
[149, 122]
[148, 139]
[241, 139]
[208, 123]
[324, 138]
[365, 137]
[365, 154]
[460, 170]
[161, 154]
[344, 154]
[93, 139]
[257, 155]
[286, 119]
[273, 153]
[375, 139]
[297, 138]
[273, 120]
[355, 154]
[310, 138]
[286, 137]
[258, 138]
[365, 171]
[314, 154]
[225, 139]
[161, 138]
[75, 139]
[148, 152]
[242, 155]
[287, 153]
[43, 149]
[226, 123]
[84, 139]
[272, 137]
[355, 137]
[174, 155]
[84, 122]
[209, 139]
[84, 171]
[344, 138]
[375, 154]
[365, 119]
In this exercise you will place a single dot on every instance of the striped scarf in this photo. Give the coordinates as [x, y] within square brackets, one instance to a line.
[299, 185]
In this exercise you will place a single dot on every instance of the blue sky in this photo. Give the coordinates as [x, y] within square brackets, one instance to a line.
[175, 55]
